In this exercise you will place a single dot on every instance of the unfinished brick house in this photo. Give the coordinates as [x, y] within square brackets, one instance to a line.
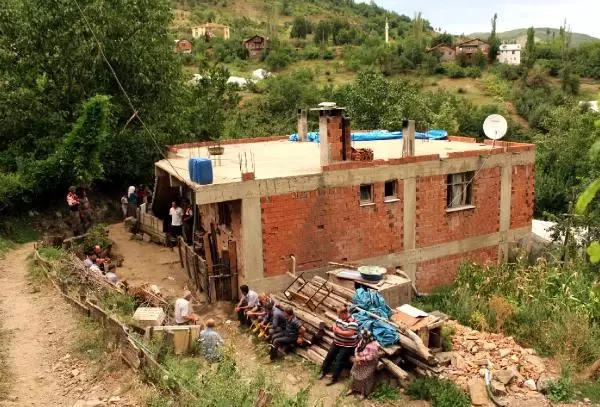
[300, 205]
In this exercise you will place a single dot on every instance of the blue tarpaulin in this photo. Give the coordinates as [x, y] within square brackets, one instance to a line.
[379, 135]
[372, 301]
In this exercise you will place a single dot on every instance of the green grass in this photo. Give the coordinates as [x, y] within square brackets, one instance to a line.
[93, 340]
[13, 232]
[385, 392]
[441, 393]
[587, 390]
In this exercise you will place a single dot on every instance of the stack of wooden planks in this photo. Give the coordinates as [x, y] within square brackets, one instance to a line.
[316, 301]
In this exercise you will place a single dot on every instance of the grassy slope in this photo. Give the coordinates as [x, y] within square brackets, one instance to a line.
[520, 35]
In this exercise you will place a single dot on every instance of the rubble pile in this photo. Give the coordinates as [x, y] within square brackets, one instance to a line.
[514, 370]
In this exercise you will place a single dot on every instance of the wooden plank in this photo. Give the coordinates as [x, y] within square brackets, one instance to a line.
[212, 294]
[180, 249]
[233, 263]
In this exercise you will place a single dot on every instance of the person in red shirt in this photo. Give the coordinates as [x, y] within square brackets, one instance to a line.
[73, 203]
[345, 339]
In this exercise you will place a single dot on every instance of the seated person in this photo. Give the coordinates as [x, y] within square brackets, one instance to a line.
[289, 337]
[278, 320]
[183, 315]
[88, 262]
[248, 301]
[257, 313]
[110, 275]
[210, 342]
[96, 266]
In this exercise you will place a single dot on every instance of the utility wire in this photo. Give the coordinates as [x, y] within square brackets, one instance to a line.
[129, 102]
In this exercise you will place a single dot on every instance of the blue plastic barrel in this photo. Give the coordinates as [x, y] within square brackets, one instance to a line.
[203, 173]
[191, 168]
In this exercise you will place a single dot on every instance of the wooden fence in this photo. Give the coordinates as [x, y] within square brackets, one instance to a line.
[217, 281]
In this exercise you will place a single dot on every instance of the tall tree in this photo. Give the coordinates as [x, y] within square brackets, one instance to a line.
[530, 47]
[493, 41]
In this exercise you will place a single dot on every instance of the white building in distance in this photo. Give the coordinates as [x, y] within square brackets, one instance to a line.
[510, 54]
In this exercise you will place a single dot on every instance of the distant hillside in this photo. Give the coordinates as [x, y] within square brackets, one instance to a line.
[541, 34]
[275, 15]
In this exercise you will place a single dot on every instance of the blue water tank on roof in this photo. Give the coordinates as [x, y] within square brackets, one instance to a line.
[201, 170]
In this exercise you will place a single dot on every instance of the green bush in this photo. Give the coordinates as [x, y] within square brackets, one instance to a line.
[454, 71]
[441, 393]
[385, 392]
[472, 71]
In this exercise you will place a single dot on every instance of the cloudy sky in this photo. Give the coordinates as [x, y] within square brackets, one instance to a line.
[463, 16]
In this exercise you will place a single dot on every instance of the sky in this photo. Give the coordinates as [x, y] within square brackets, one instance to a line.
[465, 17]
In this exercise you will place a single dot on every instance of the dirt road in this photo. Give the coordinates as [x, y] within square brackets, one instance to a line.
[42, 332]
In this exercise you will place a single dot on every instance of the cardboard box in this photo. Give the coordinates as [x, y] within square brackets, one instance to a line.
[149, 316]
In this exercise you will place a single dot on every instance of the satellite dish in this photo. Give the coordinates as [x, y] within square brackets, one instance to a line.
[495, 126]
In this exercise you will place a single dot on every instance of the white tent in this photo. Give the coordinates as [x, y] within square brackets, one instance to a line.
[260, 73]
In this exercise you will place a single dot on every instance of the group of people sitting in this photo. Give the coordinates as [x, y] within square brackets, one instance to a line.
[99, 262]
[271, 321]
[351, 349]
[209, 339]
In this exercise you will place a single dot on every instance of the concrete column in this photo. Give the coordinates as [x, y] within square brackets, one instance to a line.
[252, 247]
[302, 124]
[410, 224]
[324, 140]
[505, 203]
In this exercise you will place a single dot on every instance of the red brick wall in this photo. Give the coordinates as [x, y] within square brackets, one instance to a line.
[522, 196]
[442, 271]
[434, 225]
[338, 129]
[328, 225]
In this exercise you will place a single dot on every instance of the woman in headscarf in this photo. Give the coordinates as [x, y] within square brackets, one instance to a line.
[366, 357]
[131, 202]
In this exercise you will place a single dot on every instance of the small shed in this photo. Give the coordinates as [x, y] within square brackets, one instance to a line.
[255, 45]
[183, 47]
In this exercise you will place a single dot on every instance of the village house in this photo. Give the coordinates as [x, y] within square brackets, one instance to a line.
[255, 45]
[447, 52]
[183, 46]
[471, 47]
[510, 54]
[275, 206]
[211, 30]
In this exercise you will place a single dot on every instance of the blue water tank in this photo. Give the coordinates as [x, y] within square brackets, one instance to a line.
[201, 170]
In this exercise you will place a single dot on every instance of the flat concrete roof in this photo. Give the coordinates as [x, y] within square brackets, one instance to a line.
[282, 158]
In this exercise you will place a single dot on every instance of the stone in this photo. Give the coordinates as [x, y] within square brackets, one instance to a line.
[544, 382]
[482, 362]
[536, 362]
[33, 289]
[13, 398]
[503, 352]
[514, 358]
[482, 372]
[498, 389]
[530, 384]
[114, 400]
[478, 392]
[474, 349]
[446, 357]
[469, 345]
[74, 373]
[504, 376]
[489, 346]
[587, 401]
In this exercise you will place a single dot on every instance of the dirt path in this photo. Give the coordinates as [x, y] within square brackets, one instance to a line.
[43, 330]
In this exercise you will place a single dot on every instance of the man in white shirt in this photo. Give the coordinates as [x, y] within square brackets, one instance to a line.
[183, 316]
[248, 301]
[176, 213]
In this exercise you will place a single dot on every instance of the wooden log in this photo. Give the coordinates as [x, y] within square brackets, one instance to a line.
[415, 361]
[310, 355]
[394, 369]
[338, 290]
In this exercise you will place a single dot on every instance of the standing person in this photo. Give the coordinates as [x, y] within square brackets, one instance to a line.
[141, 194]
[149, 195]
[210, 342]
[248, 301]
[183, 315]
[176, 214]
[73, 203]
[124, 203]
[345, 339]
[131, 202]
[85, 211]
[366, 358]
[188, 223]
[290, 335]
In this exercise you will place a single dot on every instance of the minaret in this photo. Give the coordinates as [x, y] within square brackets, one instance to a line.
[387, 31]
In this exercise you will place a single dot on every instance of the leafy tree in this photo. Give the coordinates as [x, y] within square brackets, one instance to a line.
[569, 82]
[444, 38]
[301, 27]
[530, 48]
[285, 7]
[479, 59]
[493, 41]
[322, 31]
[446, 119]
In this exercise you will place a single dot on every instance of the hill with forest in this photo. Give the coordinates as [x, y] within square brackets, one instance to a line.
[542, 34]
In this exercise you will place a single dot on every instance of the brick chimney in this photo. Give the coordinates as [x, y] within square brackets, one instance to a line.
[334, 134]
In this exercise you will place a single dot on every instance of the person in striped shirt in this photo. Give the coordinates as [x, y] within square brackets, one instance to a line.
[345, 339]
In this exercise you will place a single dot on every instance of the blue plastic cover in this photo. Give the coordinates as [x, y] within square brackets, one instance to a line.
[376, 135]
[370, 300]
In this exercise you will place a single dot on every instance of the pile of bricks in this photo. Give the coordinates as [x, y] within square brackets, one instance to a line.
[515, 371]
[362, 154]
